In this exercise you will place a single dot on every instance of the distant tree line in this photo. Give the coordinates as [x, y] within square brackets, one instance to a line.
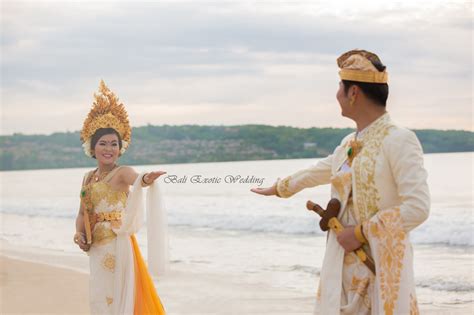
[191, 143]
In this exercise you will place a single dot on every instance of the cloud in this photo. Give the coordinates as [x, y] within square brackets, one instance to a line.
[234, 62]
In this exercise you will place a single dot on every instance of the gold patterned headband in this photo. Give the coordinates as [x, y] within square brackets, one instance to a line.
[357, 65]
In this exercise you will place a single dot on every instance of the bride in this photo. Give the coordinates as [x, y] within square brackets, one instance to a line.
[110, 214]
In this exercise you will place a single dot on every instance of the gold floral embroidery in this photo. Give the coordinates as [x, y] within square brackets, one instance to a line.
[366, 194]
[109, 300]
[359, 285]
[103, 191]
[109, 262]
[102, 235]
[349, 259]
[114, 200]
[342, 183]
[390, 245]
[414, 305]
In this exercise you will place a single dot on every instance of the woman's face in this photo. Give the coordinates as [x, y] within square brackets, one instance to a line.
[107, 149]
[344, 101]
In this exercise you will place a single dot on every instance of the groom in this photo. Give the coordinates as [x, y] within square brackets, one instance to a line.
[378, 176]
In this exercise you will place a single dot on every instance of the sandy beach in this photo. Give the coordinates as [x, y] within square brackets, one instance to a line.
[37, 288]
[34, 288]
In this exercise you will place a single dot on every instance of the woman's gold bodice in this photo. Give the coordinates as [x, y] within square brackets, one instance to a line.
[104, 196]
[108, 205]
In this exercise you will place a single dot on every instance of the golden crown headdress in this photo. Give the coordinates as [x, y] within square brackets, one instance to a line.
[106, 112]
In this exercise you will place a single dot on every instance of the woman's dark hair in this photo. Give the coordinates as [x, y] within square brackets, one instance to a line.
[102, 132]
[377, 92]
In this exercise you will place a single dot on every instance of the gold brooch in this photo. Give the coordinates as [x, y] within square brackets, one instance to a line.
[355, 147]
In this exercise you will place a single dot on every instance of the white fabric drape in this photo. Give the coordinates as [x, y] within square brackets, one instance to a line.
[157, 232]
[132, 220]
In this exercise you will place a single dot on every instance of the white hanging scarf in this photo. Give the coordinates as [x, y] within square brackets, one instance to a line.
[157, 235]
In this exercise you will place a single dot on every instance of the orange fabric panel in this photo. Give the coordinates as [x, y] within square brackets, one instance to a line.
[146, 298]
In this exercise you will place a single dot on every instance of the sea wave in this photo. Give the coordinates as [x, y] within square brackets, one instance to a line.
[438, 284]
[441, 228]
[457, 231]
[454, 229]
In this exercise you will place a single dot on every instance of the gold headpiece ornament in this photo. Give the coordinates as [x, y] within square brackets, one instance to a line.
[106, 112]
[356, 65]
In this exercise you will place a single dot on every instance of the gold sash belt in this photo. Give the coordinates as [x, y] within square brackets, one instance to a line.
[109, 216]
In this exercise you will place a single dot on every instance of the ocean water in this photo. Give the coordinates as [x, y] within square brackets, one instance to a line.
[218, 226]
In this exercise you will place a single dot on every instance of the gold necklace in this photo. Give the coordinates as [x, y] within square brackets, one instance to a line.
[101, 176]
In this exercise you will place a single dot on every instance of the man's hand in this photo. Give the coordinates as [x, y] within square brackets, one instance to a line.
[269, 191]
[348, 240]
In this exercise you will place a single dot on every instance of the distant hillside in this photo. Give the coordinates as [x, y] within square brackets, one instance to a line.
[191, 143]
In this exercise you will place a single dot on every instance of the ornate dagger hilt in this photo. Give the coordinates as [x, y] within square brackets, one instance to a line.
[329, 221]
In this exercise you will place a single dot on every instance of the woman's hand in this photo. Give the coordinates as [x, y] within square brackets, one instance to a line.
[269, 191]
[348, 240]
[80, 240]
[128, 177]
[149, 178]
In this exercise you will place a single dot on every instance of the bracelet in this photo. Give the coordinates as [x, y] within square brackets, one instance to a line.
[77, 236]
[359, 234]
[276, 188]
[143, 180]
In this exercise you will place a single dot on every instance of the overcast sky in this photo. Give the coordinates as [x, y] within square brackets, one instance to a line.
[230, 62]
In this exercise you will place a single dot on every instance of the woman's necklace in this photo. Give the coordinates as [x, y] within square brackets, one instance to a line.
[102, 175]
